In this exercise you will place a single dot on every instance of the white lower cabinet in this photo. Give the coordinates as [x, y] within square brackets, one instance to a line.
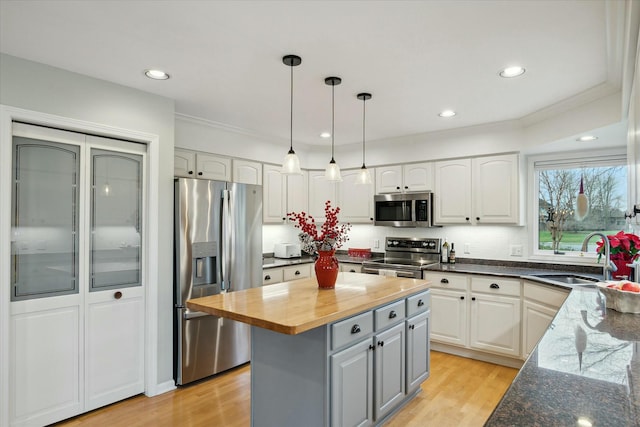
[539, 307]
[351, 268]
[286, 274]
[384, 366]
[476, 312]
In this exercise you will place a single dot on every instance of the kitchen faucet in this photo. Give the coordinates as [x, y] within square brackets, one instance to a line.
[608, 267]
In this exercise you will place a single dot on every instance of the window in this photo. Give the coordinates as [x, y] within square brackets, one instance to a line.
[564, 218]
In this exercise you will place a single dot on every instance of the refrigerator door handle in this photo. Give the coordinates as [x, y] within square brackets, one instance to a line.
[227, 233]
[194, 315]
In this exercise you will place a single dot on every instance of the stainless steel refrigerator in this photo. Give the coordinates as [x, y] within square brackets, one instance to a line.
[217, 248]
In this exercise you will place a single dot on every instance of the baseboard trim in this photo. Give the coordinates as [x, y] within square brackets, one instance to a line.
[478, 355]
[161, 388]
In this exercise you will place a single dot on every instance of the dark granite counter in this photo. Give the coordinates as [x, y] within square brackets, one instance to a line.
[271, 262]
[585, 370]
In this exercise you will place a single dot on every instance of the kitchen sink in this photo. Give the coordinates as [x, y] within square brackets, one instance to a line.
[570, 279]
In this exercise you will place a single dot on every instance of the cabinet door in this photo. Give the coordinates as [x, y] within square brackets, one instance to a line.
[449, 316]
[355, 200]
[496, 189]
[274, 203]
[298, 193]
[184, 163]
[536, 319]
[247, 172]
[321, 190]
[209, 166]
[295, 272]
[495, 324]
[352, 386]
[388, 179]
[453, 192]
[418, 357]
[390, 368]
[418, 177]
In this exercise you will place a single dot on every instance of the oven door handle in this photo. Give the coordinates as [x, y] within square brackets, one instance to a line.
[369, 270]
[407, 274]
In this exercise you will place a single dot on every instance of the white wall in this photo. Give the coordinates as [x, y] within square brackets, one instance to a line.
[44, 89]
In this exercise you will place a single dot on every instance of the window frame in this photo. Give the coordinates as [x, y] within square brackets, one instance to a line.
[616, 156]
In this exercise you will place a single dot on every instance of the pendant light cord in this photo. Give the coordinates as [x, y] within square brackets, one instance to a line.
[291, 111]
[364, 109]
[333, 115]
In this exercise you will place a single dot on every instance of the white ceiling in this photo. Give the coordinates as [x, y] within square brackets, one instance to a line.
[415, 57]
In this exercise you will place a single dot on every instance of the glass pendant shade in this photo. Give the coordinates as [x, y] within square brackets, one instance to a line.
[291, 164]
[332, 173]
[364, 176]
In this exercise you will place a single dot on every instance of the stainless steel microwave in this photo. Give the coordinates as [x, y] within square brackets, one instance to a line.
[403, 209]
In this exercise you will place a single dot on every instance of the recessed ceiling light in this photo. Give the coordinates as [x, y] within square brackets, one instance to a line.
[447, 113]
[514, 71]
[586, 138]
[325, 135]
[156, 74]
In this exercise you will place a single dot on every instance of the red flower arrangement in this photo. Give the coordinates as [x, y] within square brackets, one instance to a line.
[624, 246]
[330, 236]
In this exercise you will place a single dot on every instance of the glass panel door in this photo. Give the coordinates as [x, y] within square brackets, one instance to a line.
[116, 209]
[44, 247]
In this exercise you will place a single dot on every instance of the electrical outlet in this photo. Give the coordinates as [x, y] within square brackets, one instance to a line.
[467, 248]
[515, 250]
[376, 243]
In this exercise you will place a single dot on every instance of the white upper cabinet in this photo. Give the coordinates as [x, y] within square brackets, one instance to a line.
[452, 196]
[404, 178]
[283, 194]
[190, 164]
[355, 200]
[477, 191]
[496, 188]
[321, 190]
[247, 172]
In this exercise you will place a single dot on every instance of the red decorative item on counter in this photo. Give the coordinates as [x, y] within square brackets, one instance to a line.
[625, 248]
[326, 269]
[324, 242]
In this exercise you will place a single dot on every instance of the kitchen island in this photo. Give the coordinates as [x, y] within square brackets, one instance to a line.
[313, 360]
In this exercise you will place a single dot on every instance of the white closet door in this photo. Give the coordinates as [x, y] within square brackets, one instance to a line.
[115, 298]
[46, 334]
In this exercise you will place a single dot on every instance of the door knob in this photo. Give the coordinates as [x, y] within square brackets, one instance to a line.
[117, 295]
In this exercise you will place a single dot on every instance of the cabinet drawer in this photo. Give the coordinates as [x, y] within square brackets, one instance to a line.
[351, 329]
[389, 314]
[418, 303]
[496, 285]
[272, 275]
[446, 280]
[544, 294]
[351, 268]
[297, 272]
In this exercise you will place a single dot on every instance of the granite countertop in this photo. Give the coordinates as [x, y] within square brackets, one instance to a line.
[271, 262]
[584, 371]
[298, 306]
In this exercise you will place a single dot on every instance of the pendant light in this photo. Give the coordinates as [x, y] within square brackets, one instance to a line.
[291, 163]
[333, 170]
[364, 176]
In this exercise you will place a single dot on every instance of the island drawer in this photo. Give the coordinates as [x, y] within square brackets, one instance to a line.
[496, 285]
[389, 314]
[446, 281]
[418, 303]
[351, 329]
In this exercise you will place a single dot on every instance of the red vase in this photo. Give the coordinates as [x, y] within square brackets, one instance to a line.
[623, 271]
[326, 269]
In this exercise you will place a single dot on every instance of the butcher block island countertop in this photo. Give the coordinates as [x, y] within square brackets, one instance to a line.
[298, 306]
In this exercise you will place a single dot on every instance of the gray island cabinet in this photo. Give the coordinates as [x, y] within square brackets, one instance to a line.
[350, 356]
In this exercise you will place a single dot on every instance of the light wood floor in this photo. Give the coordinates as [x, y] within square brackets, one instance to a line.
[460, 392]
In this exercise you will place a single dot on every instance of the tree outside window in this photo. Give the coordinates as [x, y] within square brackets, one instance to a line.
[605, 187]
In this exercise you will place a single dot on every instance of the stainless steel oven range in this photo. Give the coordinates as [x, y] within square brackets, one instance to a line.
[406, 256]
